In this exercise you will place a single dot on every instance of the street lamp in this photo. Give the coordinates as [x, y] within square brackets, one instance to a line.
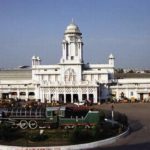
[112, 113]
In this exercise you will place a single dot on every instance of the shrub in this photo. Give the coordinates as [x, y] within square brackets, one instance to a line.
[121, 118]
[82, 135]
[35, 137]
[101, 116]
[8, 133]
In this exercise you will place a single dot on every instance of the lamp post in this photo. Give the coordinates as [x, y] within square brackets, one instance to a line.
[38, 91]
[99, 93]
[112, 113]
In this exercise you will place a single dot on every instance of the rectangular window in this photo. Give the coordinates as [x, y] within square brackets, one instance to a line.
[41, 77]
[99, 77]
[56, 77]
[92, 77]
[67, 51]
[76, 52]
[49, 77]
[109, 76]
[84, 77]
[131, 93]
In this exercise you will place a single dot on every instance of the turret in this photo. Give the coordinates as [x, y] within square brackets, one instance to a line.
[111, 60]
[33, 61]
[36, 61]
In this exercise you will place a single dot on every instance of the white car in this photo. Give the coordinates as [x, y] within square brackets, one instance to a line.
[79, 103]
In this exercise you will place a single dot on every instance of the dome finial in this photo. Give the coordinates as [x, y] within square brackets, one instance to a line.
[72, 21]
[72, 28]
[111, 56]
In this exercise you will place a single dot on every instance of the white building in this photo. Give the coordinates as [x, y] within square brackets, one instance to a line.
[132, 88]
[16, 83]
[70, 80]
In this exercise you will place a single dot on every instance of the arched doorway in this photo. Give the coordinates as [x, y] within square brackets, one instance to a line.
[14, 95]
[31, 95]
[22, 95]
[61, 98]
[68, 98]
[5, 95]
[84, 97]
[75, 98]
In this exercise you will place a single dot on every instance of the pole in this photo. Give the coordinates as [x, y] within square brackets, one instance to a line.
[112, 114]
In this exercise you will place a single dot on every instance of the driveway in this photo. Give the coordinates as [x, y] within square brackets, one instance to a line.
[139, 120]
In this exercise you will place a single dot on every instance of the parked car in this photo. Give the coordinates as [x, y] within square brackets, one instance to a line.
[79, 103]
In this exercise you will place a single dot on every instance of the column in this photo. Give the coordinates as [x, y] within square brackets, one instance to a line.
[127, 92]
[0, 95]
[39, 89]
[95, 95]
[98, 94]
[57, 94]
[71, 96]
[117, 93]
[64, 95]
[27, 93]
[87, 93]
[18, 94]
[80, 94]
[80, 51]
[49, 95]
[42, 95]
[136, 94]
[64, 51]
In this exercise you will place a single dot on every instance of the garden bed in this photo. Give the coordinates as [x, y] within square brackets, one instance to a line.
[56, 137]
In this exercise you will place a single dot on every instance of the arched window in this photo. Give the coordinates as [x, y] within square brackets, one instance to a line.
[70, 75]
[76, 51]
[122, 95]
[22, 93]
[67, 51]
[14, 93]
[31, 93]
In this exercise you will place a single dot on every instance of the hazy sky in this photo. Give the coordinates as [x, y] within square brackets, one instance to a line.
[36, 27]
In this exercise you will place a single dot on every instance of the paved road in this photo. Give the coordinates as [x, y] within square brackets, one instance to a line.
[139, 120]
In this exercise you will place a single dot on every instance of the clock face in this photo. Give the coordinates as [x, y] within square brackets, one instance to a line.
[72, 38]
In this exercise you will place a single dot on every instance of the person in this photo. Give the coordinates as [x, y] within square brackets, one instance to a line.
[3, 114]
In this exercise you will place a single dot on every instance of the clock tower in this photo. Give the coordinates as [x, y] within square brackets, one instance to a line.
[72, 55]
[72, 45]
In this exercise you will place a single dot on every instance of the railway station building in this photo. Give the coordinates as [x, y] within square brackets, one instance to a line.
[72, 79]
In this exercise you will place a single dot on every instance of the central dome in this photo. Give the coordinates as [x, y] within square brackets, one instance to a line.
[72, 28]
